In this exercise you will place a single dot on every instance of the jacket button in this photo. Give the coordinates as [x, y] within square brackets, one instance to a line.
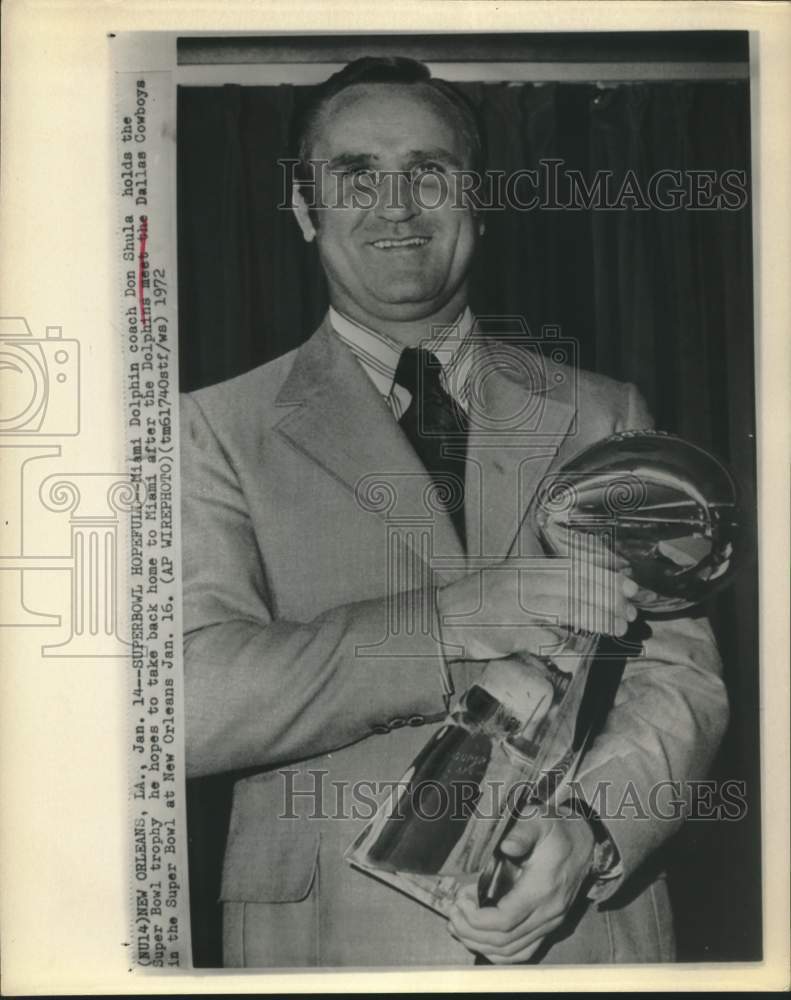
[397, 723]
[380, 729]
[415, 720]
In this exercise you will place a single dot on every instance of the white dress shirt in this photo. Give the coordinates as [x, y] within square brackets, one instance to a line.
[379, 355]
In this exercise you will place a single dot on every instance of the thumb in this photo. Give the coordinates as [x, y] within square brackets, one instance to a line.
[523, 839]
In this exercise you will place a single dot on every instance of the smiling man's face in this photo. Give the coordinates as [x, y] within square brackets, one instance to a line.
[392, 258]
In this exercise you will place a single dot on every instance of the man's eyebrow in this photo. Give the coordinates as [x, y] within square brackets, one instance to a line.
[412, 157]
[351, 160]
[435, 153]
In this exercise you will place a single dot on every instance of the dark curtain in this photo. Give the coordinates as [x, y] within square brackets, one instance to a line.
[659, 298]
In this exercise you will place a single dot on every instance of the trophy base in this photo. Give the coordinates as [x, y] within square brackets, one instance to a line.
[506, 743]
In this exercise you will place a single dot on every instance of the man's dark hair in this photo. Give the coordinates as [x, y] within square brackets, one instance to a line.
[387, 69]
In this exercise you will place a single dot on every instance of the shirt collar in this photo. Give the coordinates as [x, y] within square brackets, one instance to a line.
[379, 353]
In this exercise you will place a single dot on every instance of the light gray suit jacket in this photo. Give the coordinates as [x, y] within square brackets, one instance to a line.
[290, 671]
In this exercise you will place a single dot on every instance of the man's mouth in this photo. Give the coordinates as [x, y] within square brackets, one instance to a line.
[407, 243]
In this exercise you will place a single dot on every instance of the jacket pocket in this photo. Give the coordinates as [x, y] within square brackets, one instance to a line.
[268, 859]
[271, 907]
[281, 868]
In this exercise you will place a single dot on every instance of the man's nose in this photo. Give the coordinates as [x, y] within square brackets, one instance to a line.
[395, 201]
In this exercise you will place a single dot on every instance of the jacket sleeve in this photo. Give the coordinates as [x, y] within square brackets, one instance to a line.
[260, 690]
[666, 724]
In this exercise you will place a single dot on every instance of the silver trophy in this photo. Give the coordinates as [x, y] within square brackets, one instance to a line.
[672, 507]
[651, 504]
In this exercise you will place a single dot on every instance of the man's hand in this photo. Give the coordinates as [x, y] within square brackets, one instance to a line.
[509, 608]
[558, 855]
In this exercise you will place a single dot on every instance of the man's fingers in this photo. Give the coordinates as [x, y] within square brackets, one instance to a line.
[519, 959]
[512, 608]
[594, 602]
[534, 907]
[610, 617]
[495, 921]
[523, 952]
[505, 944]
[532, 900]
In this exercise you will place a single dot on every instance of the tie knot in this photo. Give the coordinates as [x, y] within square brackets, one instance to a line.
[418, 368]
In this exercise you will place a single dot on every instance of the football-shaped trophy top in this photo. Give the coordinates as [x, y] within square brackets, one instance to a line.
[667, 510]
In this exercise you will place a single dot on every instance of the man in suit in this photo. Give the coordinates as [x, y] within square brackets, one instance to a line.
[338, 504]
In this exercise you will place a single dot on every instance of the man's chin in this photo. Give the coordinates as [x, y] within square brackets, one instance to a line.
[409, 296]
[406, 310]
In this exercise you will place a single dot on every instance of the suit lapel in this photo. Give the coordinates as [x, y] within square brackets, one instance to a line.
[336, 416]
[515, 434]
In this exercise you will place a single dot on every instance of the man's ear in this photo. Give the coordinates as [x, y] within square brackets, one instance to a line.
[302, 215]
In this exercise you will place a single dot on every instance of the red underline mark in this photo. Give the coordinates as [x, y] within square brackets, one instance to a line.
[141, 269]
